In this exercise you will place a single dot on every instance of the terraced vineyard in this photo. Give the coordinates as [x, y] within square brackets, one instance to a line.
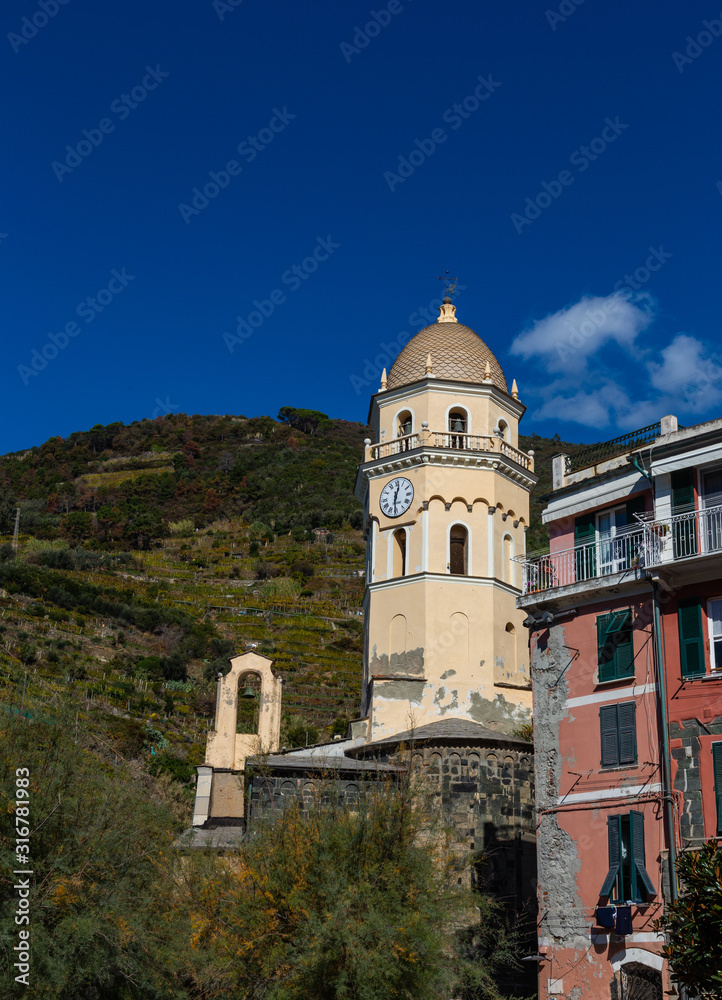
[150, 554]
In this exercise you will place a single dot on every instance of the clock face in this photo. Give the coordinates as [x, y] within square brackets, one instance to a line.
[396, 497]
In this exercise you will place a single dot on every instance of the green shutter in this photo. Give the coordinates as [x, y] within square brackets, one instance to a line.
[585, 533]
[624, 654]
[615, 650]
[644, 884]
[627, 716]
[682, 491]
[691, 647]
[684, 534]
[635, 505]
[717, 762]
[609, 735]
[605, 649]
[614, 839]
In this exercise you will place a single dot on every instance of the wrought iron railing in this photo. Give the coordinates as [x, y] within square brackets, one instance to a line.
[603, 557]
[616, 446]
[452, 440]
[647, 544]
[683, 536]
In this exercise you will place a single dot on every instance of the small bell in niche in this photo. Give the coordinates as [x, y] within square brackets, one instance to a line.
[249, 692]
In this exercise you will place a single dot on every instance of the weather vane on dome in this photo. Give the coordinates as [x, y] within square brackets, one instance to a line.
[450, 283]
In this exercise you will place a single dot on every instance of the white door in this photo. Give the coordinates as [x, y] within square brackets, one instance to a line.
[611, 542]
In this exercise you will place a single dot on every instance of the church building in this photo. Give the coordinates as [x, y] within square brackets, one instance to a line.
[445, 490]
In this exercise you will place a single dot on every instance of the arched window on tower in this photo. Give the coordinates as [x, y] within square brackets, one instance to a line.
[458, 425]
[403, 430]
[458, 546]
[502, 430]
[400, 552]
[508, 565]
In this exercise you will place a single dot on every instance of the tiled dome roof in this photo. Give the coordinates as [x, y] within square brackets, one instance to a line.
[457, 354]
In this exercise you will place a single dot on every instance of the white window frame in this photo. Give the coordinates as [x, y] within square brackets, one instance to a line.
[715, 667]
[457, 406]
[395, 425]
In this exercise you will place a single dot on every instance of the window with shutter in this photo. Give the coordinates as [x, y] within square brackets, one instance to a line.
[614, 840]
[615, 651]
[691, 646]
[642, 885]
[585, 545]
[609, 733]
[627, 716]
[618, 732]
[714, 619]
[627, 879]
[635, 505]
[684, 531]
[717, 763]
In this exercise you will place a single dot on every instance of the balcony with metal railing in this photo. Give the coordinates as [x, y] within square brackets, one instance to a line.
[581, 564]
[450, 441]
[681, 537]
[654, 541]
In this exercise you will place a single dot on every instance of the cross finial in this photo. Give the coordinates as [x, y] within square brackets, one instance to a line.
[450, 283]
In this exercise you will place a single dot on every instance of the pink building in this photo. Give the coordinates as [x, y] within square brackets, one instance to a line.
[625, 619]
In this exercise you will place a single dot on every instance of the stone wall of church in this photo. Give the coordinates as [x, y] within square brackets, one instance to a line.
[484, 796]
[274, 791]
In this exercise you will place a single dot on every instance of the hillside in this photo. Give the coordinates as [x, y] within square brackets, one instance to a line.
[149, 553]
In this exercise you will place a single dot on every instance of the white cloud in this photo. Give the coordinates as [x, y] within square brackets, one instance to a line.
[600, 405]
[688, 374]
[591, 386]
[565, 340]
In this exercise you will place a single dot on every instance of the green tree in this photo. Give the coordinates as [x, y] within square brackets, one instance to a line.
[98, 843]
[694, 923]
[308, 421]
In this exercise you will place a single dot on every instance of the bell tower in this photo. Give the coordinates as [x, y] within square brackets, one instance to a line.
[446, 491]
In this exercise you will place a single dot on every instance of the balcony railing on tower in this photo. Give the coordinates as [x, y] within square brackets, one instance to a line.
[452, 440]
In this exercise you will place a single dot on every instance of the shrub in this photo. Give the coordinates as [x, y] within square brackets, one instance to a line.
[332, 903]
[266, 570]
[174, 767]
[182, 529]
[281, 588]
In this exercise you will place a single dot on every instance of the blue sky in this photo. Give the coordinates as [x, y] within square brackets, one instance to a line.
[168, 165]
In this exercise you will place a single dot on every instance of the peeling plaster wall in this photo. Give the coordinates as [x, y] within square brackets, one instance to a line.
[405, 704]
[561, 911]
[410, 662]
